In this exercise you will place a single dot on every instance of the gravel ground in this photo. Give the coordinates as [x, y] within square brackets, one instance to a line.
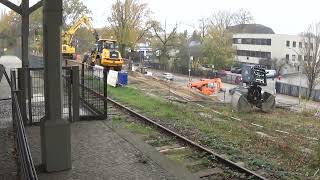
[5, 114]
[7, 161]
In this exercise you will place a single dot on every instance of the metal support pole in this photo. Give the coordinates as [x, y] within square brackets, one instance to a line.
[25, 33]
[55, 131]
[25, 52]
[13, 87]
[75, 94]
[22, 88]
[105, 91]
[82, 80]
[299, 69]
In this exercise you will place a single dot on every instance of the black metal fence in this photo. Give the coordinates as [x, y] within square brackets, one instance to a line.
[293, 90]
[92, 91]
[26, 169]
[83, 93]
[35, 94]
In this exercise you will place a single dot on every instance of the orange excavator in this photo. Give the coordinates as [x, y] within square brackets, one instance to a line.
[208, 86]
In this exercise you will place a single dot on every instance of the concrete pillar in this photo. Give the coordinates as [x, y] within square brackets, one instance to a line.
[55, 131]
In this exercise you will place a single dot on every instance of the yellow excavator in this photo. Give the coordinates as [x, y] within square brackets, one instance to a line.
[68, 50]
[106, 54]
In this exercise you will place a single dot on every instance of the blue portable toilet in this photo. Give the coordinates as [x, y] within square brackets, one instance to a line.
[123, 78]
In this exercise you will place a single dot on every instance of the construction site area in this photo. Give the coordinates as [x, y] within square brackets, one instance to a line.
[139, 102]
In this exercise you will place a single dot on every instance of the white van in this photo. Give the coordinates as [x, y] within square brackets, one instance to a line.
[271, 73]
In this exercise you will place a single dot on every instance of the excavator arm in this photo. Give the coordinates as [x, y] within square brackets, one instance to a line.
[68, 35]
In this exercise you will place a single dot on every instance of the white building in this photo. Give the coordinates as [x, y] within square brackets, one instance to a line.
[259, 47]
[145, 49]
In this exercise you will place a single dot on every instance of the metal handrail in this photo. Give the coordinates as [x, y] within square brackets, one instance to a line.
[26, 169]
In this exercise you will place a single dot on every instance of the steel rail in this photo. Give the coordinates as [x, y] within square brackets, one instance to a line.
[188, 141]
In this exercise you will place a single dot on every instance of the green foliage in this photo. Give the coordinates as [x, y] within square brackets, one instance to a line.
[85, 40]
[217, 47]
[72, 11]
[127, 20]
[10, 26]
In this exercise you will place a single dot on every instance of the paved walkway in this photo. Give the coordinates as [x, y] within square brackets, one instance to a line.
[102, 152]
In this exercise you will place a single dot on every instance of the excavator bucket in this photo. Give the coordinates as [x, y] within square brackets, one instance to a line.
[269, 102]
[240, 103]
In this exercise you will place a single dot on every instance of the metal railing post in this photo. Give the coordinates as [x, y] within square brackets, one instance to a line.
[82, 80]
[30, 94]
[105, 91]
[22, 86]
[75, 93]
[13, 87]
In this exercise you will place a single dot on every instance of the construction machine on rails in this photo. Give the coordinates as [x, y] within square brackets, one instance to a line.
[252, 96]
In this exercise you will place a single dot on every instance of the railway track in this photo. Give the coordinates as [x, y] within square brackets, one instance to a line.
[216, 166]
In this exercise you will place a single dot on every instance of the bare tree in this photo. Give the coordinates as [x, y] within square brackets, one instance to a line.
[166, 40]
[311, 52]
[278, 64]
[221, 20]
[203, 26]
[126, 20]
[243, 16]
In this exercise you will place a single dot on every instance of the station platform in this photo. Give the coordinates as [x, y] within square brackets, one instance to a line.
[100, 151]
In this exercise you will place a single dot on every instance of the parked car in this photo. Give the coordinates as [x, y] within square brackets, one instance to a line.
[222, 73]
[168, 76]
[227, 68]
[237, 70]
[271, 73]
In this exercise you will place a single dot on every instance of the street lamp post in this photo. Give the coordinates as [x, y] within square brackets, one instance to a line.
[300, 74]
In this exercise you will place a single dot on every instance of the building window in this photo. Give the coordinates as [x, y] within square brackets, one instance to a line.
[288, 43]
[294, 44]
[287, 58]
[263, 42]
[300, 44]
[293, 57]
[258, 42]
[253, 41]
[269, 42]
[235, 40]
[300, 58]
[256, 54]
[269, 55]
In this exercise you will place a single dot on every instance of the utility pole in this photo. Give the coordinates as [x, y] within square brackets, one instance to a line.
[300, 74]
[299, 69]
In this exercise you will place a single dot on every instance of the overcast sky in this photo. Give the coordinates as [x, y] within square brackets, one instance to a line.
[283, 16]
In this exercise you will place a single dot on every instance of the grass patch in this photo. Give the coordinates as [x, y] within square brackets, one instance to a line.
[281, 158]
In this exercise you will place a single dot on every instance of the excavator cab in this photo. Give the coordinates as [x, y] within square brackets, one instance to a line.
[107, 55]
